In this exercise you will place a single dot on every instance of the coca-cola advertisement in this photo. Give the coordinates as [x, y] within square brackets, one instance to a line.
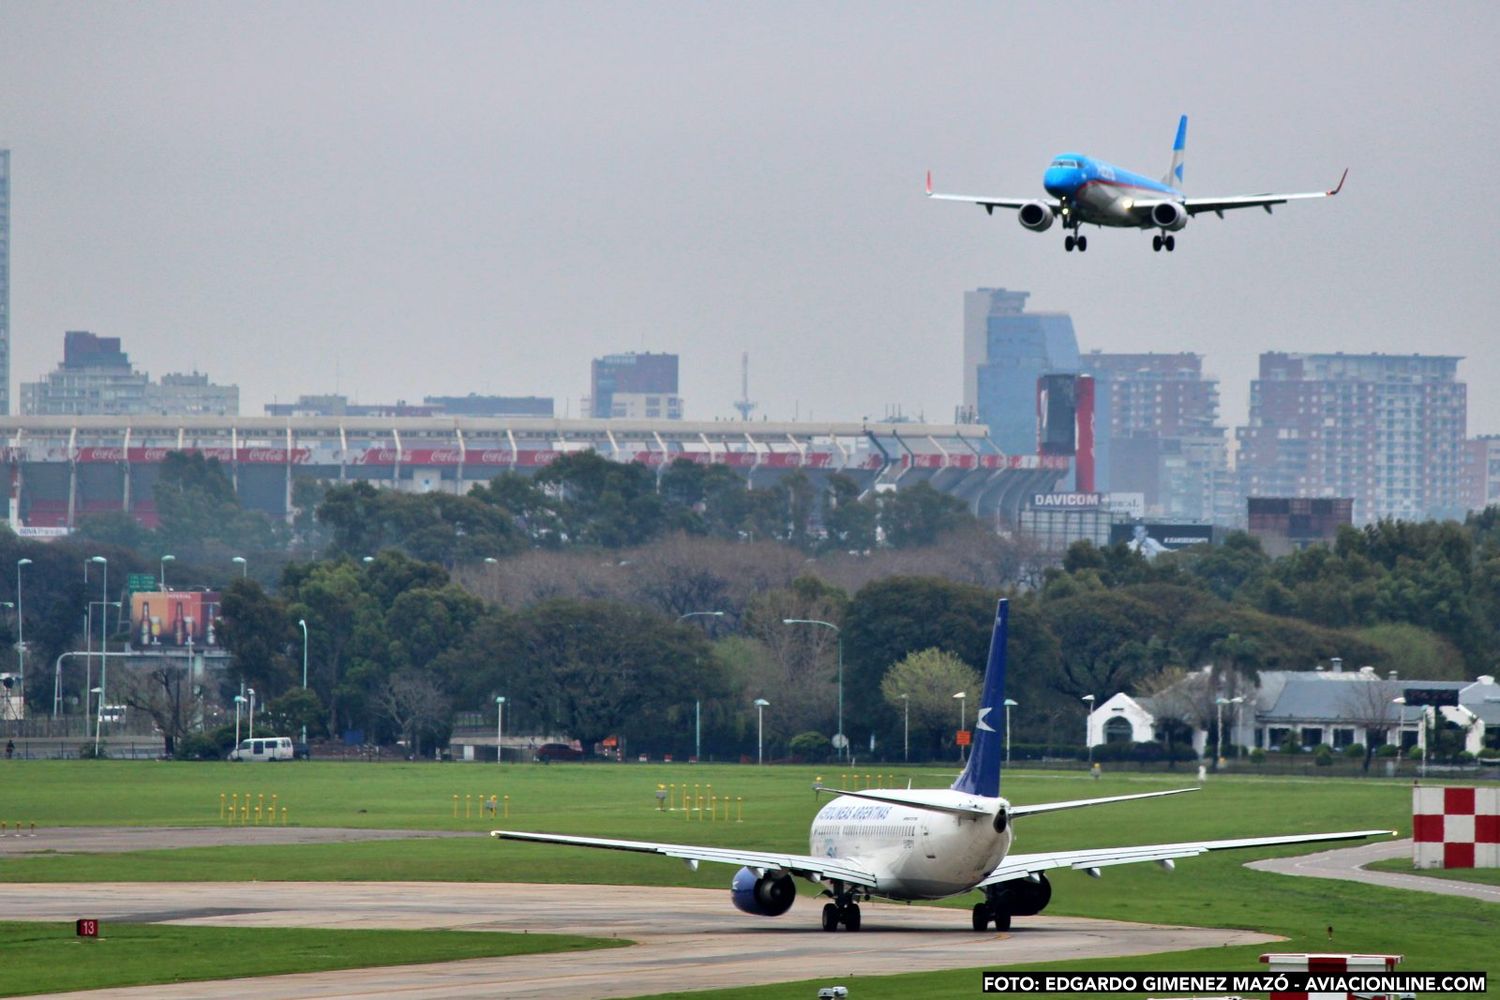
[174, 619]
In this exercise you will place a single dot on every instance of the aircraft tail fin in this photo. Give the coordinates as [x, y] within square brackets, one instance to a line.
[982, 775]
[1174, 176]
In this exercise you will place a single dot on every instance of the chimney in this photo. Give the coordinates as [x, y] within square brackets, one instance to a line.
[1338, 664]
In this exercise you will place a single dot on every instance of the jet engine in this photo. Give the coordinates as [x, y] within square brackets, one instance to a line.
[768, 895]
[1169, 216]
[1021, 897]
[1035, 216]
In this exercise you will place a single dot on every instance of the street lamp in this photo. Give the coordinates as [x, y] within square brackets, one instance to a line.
[1009, 704]
[1421, 733]
[239, 700]
[98, 692]
[906, 727]
[103, 641]
[963, 698]
[499, 727]
[163, 574]
[760, 730]
[698, 702]
[840, 741]
[244, 566]
[1086, 728]
[303, 622]
[20, 628]
[251, 693]
[367, 559]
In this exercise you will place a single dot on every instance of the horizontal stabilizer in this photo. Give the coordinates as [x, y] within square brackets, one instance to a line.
[1047, 807]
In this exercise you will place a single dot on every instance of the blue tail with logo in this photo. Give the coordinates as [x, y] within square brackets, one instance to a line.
[982, 776]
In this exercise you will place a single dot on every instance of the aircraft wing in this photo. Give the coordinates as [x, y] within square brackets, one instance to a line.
[990, 204]
[1221, 205]
[1022, 865]
[817, 869]
[1046, 807]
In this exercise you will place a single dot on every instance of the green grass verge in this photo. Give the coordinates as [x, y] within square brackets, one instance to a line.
[49, 958]
[1484, 876]
[1434, 932]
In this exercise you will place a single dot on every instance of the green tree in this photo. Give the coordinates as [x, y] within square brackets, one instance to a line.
[919, 515]
[924, 683]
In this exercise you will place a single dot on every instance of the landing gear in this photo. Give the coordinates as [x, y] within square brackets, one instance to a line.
[843, 910]
[1168, 241]
[988, 913]
[1071, 241]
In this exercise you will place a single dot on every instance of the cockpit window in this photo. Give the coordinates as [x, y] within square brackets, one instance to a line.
[1065, 163]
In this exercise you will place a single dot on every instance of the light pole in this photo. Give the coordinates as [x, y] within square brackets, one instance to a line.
[840, 741]
[103, 641]
[499, 728]
[494, 565]
[760, 730]
[21, 628]
[963, 698]
[906, 727]
[1421, 733]
[244, 566]
[1009, 704]
[303, 622]
[239, 700]
[1089, 699]
[251, 693]
[698, 703]
[163, 573]
[98, 692]
[1219, 704]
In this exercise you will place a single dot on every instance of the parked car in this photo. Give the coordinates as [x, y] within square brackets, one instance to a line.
[267, 748]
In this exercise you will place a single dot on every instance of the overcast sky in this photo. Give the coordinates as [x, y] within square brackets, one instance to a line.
[395, 200]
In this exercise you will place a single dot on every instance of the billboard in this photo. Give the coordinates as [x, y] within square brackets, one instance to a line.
[1057, 414]
[174, 619]
[1150, 538]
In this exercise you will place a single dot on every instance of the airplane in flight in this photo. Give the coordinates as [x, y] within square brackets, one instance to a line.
[914, 844]
[1086, 191]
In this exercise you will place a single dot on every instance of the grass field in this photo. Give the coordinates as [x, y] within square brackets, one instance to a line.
[50, 958]
[1485, 876]
[1435, 933]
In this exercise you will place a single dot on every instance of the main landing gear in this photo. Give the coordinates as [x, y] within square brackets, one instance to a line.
[843, 910]
[1160, 241]
[1074, 240]
[986, 913]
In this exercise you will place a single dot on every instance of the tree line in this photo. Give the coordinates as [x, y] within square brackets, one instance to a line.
[566, 593]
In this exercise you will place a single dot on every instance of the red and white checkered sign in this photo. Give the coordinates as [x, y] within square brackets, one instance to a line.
[1455, 827]
[1303, 962]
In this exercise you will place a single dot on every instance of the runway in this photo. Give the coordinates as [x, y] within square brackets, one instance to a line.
[686, 939]
[1346, 864]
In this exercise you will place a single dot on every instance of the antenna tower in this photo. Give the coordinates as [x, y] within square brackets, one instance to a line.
[743, 404]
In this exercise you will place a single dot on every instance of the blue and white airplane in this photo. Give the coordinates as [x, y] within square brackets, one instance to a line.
[907, 844]
[1086, 191]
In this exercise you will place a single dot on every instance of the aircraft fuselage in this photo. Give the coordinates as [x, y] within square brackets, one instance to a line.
[916, 853]
[1102, 194]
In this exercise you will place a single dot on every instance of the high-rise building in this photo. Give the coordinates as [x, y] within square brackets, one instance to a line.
[634, 379]
[1482, 472]
[1158, 432]
[96, 377]
[4, 282]
[1005, 350]
[1386, 431]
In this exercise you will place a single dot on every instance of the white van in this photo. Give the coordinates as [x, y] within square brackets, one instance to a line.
[264, 748]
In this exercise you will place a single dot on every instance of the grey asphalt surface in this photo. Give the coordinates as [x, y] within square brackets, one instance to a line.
[1344, 863]
[687, 939]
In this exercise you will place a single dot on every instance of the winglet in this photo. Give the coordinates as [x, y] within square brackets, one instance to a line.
[929, 183]
[1336, 190]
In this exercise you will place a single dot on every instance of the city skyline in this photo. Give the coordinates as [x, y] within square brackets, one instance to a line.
[387, 203]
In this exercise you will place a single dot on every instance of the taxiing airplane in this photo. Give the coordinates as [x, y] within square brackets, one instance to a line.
[907, 844]
[1086, 191]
